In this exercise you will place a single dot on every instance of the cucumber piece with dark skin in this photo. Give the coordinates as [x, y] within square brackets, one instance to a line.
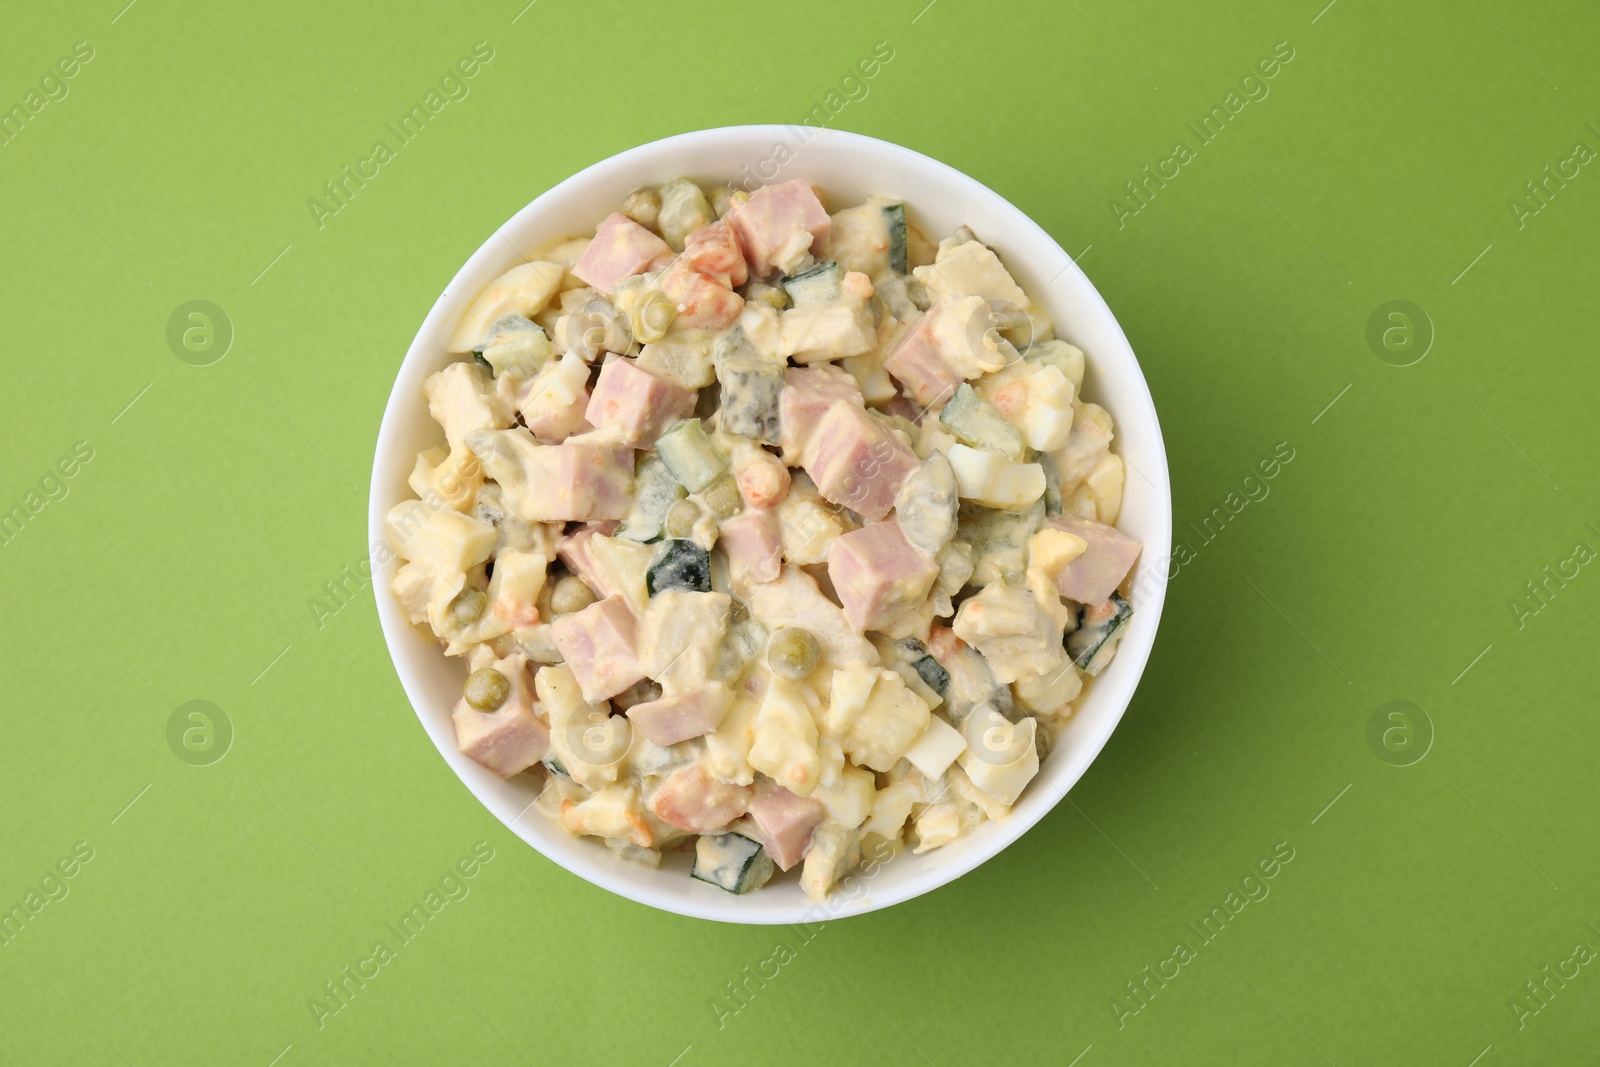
[655, 491]
[679, 564]
[978, 424]
[895, 216]
[731, 862]
[937, 677]
[1093, 644]
[751, 387]
[818, 285]
[973, 685]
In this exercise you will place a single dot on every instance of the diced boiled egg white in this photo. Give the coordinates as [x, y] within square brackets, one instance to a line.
[522, 290]
[994, 481]
[1005, 760]
[936, 749]
[1047, 421]
[1105, 482]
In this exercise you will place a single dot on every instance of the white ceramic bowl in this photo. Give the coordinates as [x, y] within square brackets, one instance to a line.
[847, 167]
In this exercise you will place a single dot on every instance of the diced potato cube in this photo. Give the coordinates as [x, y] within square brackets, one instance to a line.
[878, 732]
[785, 742]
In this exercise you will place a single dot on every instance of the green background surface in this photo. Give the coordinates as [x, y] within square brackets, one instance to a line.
[1386, 562]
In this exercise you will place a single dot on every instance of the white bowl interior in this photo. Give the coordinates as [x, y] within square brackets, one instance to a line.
[847, 167]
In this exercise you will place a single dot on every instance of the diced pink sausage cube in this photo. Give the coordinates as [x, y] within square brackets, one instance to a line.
[1095, 575]
[784, 822]
[681, 716]
[637, 403]
[807, 395]
[507, 742]
[692, 800]
[511, 739]
[599, 646]
[878, 573]
[586, 481]
[621, 248]
[576, 552]
[780, 223]
[714, 251]
[857, 463]
[754, 543]
[899, 405]
[919, 364]
[702, 303]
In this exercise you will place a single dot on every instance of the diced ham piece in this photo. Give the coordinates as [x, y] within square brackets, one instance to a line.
[857, 463]
[636, 403]
[807, 395]
[754, 543]
[954, 341]
[784, 822]
[702, 303]
[682, 715]
[878, 573]
[582, 481]
[918, 363]
[714, 251]
[621, 248]
[692, 800]
[578, 554]
[599, 647]
[510, 740]
[899, 405]
[1095, 575]
[780, 224]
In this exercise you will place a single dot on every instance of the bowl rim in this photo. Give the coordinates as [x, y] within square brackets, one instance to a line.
[1136, 645]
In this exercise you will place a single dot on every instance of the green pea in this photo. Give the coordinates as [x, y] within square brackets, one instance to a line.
[681, 519]
[793, 652]
[487, 689]
[468, 606]
[570, 594]
[723, 498]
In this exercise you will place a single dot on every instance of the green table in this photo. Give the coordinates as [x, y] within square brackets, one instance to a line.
[1340, 270]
